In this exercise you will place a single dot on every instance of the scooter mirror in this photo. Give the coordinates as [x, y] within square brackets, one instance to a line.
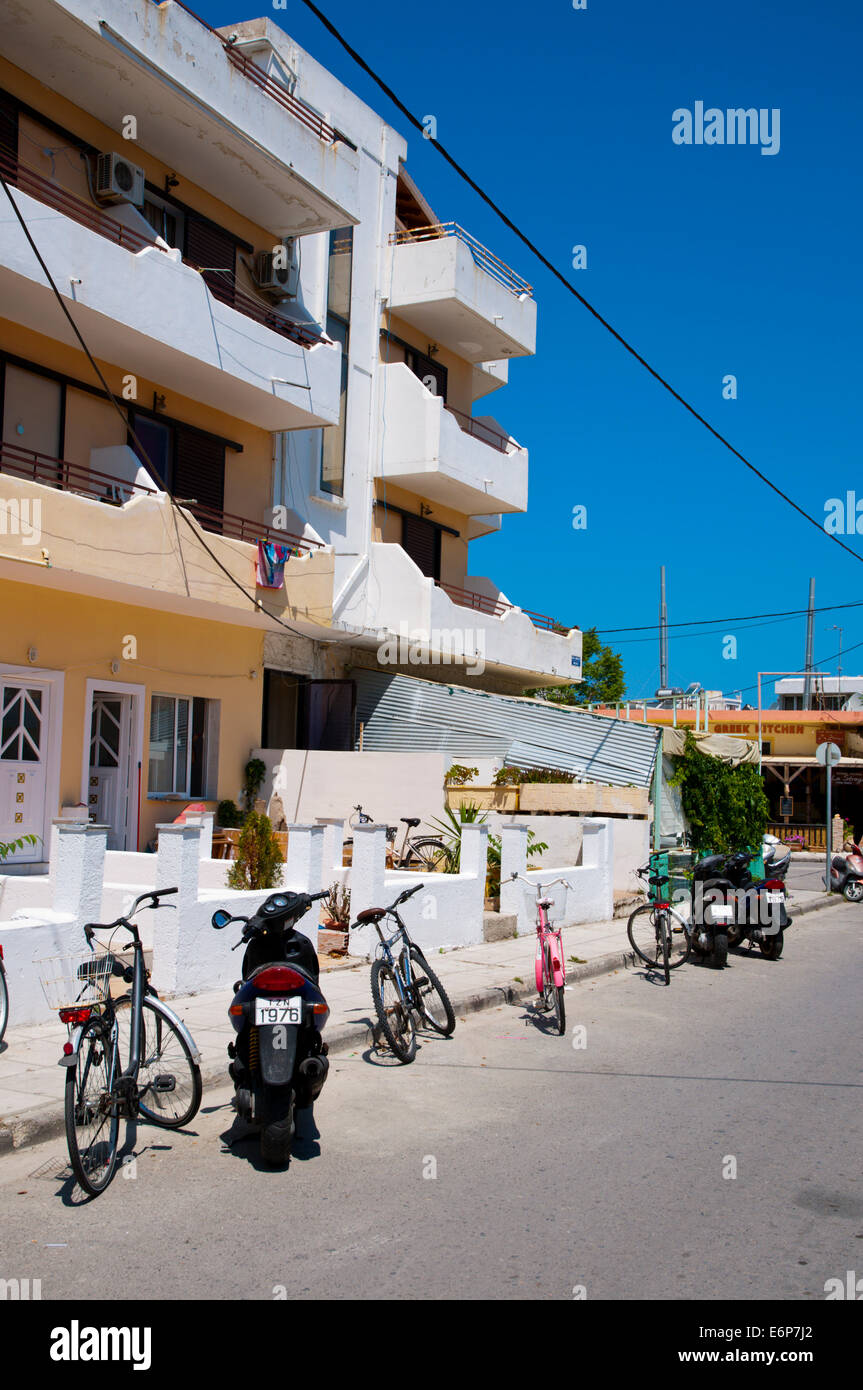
[221, 918]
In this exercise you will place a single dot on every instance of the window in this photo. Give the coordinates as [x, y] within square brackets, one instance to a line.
[187, 462]
[338, 327]
[178, 746]
[303, 713]
[32, 411]
[166, 220]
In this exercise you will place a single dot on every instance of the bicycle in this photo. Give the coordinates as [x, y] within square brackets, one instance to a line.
[549, 963]
[656, 931]
[422, 853]
[404, 987]
[4, 997]
[161, 1082]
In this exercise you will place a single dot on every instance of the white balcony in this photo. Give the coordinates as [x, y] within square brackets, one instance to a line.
[148, 312]
[389, 597]
[461, 462]
[458, 294]
[202, 106]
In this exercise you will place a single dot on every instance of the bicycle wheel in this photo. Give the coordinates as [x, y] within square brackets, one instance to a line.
[165, 1057]
[432, 999]
[4, 1004]
[429, 856]
[645, 936]
[395, 1018]
[554, 993]
[92, 1112]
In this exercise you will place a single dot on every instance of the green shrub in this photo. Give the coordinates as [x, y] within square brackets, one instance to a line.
[726, 806]
[229, 816]
[255, 772]
[459, 775]
[258, 863]
[512, 775]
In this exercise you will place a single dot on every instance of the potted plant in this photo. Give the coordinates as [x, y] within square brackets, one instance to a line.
[334, 930]
[258, 863]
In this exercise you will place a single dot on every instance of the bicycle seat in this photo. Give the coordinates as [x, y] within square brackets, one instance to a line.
[411, 820]
[545, 902]
[371, 914]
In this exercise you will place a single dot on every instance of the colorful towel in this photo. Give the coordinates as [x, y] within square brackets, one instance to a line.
[271, 564]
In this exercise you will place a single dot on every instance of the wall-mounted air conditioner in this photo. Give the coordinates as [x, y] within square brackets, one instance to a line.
[279, 271]
[118, 180]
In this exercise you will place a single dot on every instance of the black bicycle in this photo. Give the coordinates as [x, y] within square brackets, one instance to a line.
[405, 987]
[128, 1057]
[658, 934]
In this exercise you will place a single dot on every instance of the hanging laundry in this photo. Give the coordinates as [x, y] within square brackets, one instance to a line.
[271, 564]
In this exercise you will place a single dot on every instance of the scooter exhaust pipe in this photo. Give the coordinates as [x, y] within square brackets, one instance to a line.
[314, 1071]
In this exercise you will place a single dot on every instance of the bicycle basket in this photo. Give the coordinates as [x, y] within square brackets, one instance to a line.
[81, 978]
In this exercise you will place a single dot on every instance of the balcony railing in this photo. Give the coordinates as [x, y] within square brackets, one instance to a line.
[114, 491]
[484, 258]
[495, 608]
[486, 433]
[223, 287]
[266, 84]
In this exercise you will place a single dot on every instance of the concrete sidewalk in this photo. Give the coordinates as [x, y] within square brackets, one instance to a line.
[475, 977]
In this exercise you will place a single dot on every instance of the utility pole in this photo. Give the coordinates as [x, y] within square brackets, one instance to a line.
[840, 630]
[807, 664]
[663, 633]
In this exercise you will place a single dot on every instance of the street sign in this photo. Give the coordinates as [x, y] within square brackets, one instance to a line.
[828, 754]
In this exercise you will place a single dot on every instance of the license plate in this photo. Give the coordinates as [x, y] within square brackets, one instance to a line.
[279, 1010]
[774, 897]
[722, 914]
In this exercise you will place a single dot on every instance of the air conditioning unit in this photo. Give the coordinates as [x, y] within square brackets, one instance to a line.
[279, 272]
[118, 180]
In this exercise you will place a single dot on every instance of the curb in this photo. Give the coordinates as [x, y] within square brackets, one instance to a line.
[47, 1121]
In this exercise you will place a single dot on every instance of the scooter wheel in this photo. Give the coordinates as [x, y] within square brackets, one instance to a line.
[772, 949]
[277, 1133]
[720, 950]
[853, 892]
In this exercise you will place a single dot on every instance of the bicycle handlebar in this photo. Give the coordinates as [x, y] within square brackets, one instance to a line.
[539, 886]
[150, 900]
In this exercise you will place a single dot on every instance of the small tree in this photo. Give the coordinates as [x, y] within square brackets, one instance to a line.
[255, 772]
[258, 863]
[602, 679]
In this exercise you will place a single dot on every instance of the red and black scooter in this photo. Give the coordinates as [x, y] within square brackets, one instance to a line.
[278, 1061]
[846, 873]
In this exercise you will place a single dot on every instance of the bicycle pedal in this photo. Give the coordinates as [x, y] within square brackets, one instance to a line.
[164, 1083]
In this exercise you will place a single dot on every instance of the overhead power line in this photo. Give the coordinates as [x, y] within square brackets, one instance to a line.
[740, 618]
[552, 268]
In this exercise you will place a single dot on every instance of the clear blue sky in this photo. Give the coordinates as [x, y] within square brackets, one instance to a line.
[712, 260]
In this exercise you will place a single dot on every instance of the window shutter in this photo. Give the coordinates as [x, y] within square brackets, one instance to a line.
[199, 469]
[208, 245]
[421, 540]
[9, 136]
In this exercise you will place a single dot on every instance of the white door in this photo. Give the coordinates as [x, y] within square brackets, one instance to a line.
[23, 765]
[110, 747]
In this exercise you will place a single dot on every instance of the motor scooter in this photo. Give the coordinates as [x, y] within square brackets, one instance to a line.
[772, 857]
[846, 873]
[729, 906]
[278, 1059]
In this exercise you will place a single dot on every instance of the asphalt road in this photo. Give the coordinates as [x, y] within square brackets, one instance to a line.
[509, 1163]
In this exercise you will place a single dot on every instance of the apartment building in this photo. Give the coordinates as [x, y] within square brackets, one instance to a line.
[291, 471]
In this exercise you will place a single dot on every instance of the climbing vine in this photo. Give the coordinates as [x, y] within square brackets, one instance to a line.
[726, 806]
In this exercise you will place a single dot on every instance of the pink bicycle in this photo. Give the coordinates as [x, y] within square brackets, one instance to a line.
[549, 963]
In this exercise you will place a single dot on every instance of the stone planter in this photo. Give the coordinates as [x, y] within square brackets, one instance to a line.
[583, 798]
[332, 938]
[485, 798]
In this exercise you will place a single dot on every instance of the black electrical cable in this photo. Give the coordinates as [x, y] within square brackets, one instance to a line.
[740, 618]
[549, 265]
[143, 453]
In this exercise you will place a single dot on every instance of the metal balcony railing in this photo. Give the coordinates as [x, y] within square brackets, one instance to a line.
[105, 487]
[267, 84]
[484, 258]
[486, 433]
[495, 608]
[222, 285]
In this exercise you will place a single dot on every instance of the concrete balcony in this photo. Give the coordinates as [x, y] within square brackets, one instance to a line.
[390, 598]
[460, 461]
[202, 105]
[80, 530]
[143, 308]
[458, 294]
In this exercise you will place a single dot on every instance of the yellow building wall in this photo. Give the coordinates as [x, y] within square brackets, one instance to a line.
[388, 528]
[175, 656]
[459, 371]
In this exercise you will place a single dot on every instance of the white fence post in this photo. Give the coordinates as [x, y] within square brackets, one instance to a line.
[304, 870]
[178, 863]
[80, 869]
[368, 886]
[513, 859]
[598, 853]
[334, 845]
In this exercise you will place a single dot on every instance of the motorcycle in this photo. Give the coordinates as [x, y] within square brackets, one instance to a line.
[279, 1059]
[740, 907]
[774, 861]
[846, 873]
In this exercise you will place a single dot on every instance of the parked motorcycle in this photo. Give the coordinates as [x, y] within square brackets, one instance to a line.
[772, 857]
[740, 907]
[278, 1059]
[846, 873]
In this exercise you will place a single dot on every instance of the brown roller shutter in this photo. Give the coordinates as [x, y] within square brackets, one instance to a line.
[421, 540]
[208, 245]
[9, 137]
[199, 471]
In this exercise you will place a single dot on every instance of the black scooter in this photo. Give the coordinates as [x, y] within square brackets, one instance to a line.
[740, 907]
[278, 1061]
